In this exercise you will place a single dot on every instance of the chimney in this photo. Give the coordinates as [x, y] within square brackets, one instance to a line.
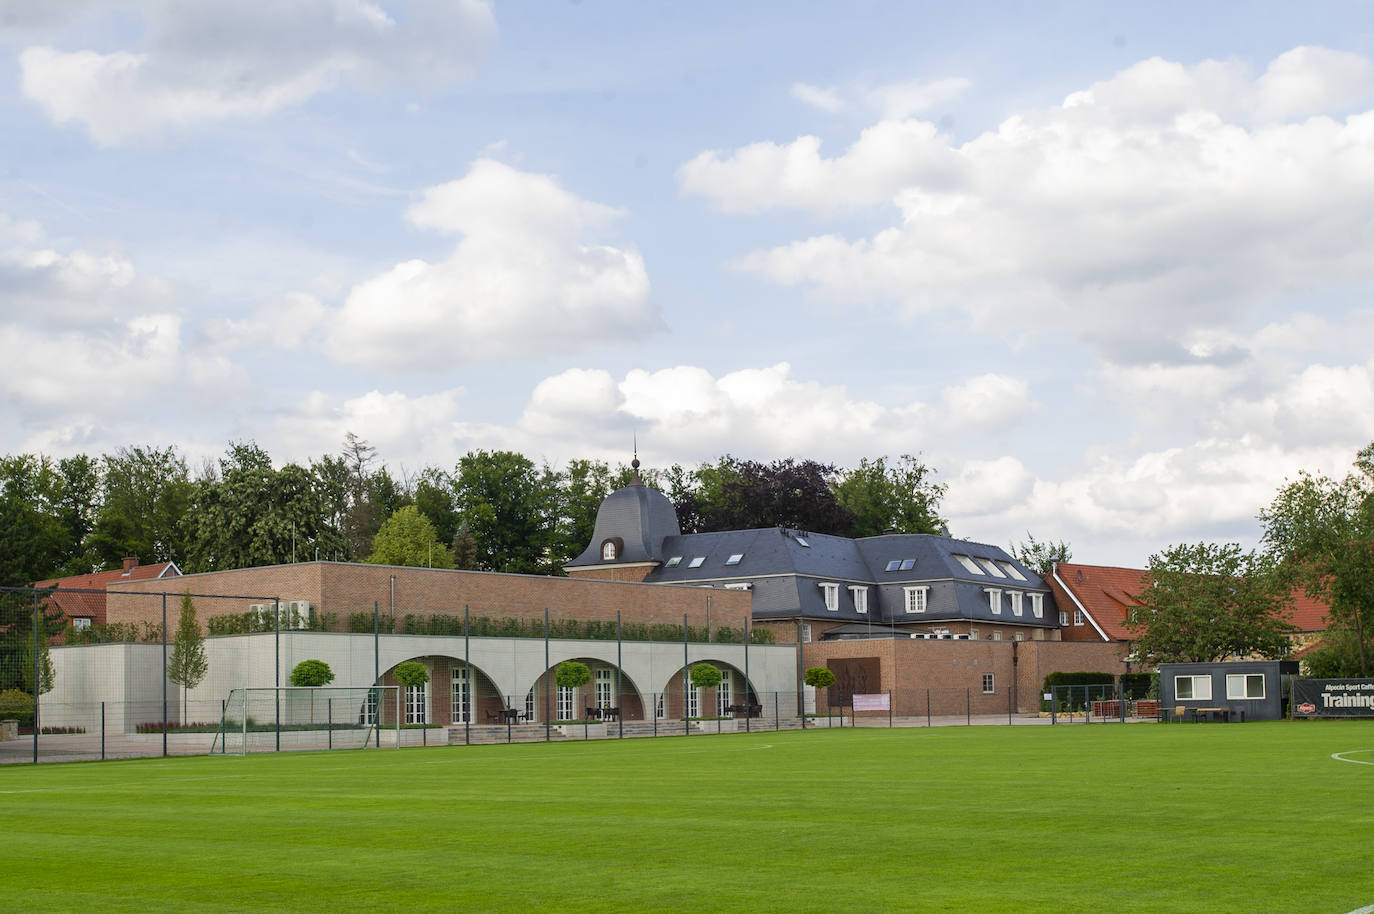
[130, 563]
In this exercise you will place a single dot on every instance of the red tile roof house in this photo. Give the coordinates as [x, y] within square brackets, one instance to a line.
[1094, 601]
[83, 610]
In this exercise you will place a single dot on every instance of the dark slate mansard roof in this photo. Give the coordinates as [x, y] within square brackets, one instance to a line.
[785, 568]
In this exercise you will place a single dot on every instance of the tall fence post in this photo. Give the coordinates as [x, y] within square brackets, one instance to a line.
[686, 682]
[164, 678]
[102, 731]
[468, 679]
[38, 677]
[1121, 700]
[548, 680]
[777, 718]
[748, 683]
[329, 720]
[276, 672]
[968, 706]
[1008, 707]
[619, 683]
[928, 723]
[889, 709]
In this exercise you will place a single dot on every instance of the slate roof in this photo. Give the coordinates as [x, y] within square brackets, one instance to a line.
[637, 518]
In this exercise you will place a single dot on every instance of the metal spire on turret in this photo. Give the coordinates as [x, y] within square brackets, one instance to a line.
[634, 464]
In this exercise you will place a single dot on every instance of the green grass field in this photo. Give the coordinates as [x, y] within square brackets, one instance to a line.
[1111, 818]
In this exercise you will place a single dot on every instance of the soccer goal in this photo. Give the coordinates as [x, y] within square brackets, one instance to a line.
[300, 717]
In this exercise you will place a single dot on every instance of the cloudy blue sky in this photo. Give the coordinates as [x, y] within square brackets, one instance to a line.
[1107, 267]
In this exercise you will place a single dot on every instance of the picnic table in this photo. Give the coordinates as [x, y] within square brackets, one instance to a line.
[1223, 715]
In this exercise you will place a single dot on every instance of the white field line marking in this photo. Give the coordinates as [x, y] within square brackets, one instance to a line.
[1341, 757]
[450, 760]
[1369, 908]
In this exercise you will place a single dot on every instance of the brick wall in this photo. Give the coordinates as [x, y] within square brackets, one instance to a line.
[341, 588]
[952, 671]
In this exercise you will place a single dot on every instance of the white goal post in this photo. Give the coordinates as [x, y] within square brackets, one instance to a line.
[309, 717]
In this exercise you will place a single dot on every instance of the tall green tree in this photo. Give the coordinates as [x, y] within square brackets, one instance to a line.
[734, 494]
[251, 514]
[1206, 602]
[34, 540]
[434, 497]
[408, 538]
[17, 639]
[901, 497]
[146, 493]
[582, 487]
[1041, 556]
[510, 508]
[187, 665]
[1321, 531]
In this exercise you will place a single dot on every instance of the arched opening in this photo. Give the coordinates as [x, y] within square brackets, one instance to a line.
[610, 690]
[734, 697]
[455, 694]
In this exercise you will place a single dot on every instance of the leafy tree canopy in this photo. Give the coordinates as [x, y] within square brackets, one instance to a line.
[705, 676]
[1041, 556]
[819, 677]
[1321, 532]
[408, 538]
[891, 498]
[1207, 602]
[572, 674]
[318, 673]
[411, 673]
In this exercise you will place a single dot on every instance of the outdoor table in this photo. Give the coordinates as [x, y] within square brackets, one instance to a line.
[512, 715]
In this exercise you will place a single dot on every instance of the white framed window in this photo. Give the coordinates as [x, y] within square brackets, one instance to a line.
[693, 701]
[81, 623]
[1020, 636]
[1245, 685]
[1063, 617]
[607, 550]
[660, 706]
[1038, 605]
[973, 634]
[860, 597]
[565, 704]
[605, 688]
[1012, 570]
[368, 716]
[461, 694]
[673, 562]
[997, 635]
[994, 600]
[1193, 688]
[1078, 617]
[968, 563]
[696, 561]
[1015, 597]
[915, 598]
[531, 707]
[806, 632]
[417, 704]
[723, 693]
[992, 568]
[988, 684]
[832, 596]
[735, 559]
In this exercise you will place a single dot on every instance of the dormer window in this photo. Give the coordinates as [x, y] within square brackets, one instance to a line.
[608, 551]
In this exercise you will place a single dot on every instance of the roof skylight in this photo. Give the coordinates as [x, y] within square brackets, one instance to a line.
[735, 559]
[673, 562]
[1012, 570]
[991, 566]
[894, 565]
[968, 563]
[696, 561]
[908, 564]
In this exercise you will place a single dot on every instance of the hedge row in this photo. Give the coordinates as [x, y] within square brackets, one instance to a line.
[572, 629]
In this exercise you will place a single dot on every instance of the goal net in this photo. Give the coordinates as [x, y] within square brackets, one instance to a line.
[300, 717]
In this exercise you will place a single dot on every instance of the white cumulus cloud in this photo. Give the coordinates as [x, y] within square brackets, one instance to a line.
[527, 277]
[216, 59]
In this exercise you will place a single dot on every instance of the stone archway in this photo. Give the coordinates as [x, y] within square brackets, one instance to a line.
[607, 689]
[679, 699]
[443, 694]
